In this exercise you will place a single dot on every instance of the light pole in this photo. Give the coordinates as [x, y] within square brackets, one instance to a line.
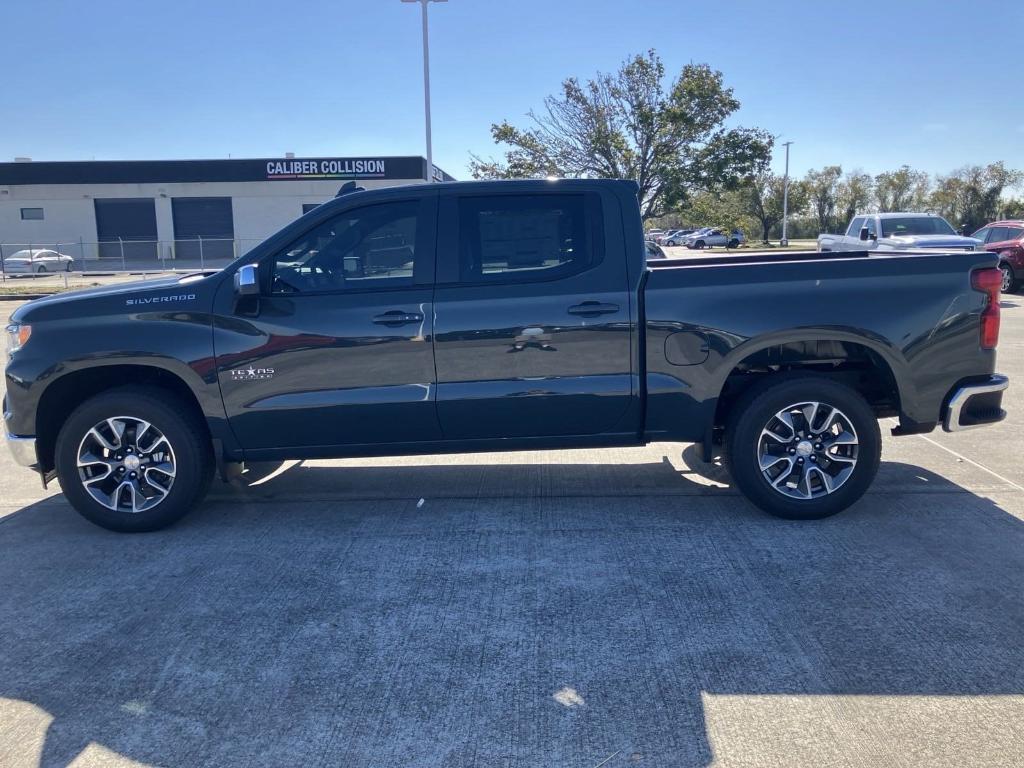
[426, 82]
[785, 198]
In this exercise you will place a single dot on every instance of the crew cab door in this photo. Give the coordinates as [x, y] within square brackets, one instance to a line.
[337, 348]
[532, 326]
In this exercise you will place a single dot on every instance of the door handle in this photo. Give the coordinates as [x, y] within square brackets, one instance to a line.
[593, 308]
[397, 317]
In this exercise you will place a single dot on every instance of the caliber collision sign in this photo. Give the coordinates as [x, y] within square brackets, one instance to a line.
[327, 168]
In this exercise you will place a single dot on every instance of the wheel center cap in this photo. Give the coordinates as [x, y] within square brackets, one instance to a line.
[804, 448]
[131, 462]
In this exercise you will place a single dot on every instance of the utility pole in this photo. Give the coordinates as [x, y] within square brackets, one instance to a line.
[426, 82]
[785, 198]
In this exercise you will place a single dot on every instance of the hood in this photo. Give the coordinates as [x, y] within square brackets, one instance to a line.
[934, 241]
[141, 289]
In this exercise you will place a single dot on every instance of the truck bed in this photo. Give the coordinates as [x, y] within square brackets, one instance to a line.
[915, 311]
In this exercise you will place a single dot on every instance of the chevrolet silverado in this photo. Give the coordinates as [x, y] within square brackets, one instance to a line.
[497, 316]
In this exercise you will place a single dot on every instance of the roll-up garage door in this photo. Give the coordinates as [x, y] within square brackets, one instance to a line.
[204, 229]
[126, 227]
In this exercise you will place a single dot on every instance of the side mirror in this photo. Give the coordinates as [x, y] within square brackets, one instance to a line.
[247, 280]
[863, 234]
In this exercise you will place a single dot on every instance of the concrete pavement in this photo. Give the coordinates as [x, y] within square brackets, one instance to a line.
[612, 607]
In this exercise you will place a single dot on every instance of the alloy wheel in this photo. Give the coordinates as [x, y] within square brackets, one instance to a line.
[807, 450]
[126, 464]
[1007, 277]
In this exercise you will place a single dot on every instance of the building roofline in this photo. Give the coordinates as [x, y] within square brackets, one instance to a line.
[359, 167]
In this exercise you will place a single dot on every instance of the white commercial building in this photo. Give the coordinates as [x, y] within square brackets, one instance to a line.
[185, 210]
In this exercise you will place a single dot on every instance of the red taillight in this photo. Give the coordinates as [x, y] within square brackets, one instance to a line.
[989, 281]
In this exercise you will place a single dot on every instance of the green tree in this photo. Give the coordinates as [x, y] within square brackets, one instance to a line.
[727, 210]
[1012, 208]
[902, 190]
[823, 195]
[972, 196]
[854, 195]
[763, 199]
[627, 125]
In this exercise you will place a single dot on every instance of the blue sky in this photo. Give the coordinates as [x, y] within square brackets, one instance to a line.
[867, 85]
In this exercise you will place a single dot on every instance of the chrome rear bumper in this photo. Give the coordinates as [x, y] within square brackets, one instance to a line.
[24, 450]
[976, 404]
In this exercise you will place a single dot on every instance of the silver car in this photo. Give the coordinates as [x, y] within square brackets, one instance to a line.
[37, 261]
[708, 238]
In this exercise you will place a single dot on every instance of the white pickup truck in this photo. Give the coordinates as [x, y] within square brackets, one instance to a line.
[898, 232]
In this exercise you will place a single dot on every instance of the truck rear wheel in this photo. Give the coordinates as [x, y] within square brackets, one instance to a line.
[803, 447]
[134, 459]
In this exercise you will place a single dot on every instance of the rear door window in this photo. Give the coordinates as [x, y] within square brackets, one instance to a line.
[523, 238]
[855, 226]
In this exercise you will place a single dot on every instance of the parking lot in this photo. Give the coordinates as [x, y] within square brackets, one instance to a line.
[616, 607]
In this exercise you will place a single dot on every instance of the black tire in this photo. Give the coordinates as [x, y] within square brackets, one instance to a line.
[70, 267]
[699, 245]
[671, 243]
[755, 412]
[734, 243]
[1009, 278]
[184, 430]
[41, 269]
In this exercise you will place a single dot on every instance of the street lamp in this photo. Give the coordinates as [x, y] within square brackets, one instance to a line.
[426, 82]
[785, 198]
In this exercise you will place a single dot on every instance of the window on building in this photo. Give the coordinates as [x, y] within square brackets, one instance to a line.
[523, 238]
[367, 248]
[31, 214]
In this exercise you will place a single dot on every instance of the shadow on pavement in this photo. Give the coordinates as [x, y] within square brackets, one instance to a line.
[499, 624]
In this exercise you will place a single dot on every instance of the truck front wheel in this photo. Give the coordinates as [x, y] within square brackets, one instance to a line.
[134, 459]
[803, 447]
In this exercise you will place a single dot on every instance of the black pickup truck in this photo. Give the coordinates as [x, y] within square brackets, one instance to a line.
[498, 316]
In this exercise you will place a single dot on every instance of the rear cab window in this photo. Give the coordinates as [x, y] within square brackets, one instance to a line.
[855, 227]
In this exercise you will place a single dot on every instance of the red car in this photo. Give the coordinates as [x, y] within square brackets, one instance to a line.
[1007, 239]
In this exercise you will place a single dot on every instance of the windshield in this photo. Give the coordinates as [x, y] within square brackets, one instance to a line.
[916, 225]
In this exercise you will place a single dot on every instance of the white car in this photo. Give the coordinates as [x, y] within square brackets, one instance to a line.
[36, 261]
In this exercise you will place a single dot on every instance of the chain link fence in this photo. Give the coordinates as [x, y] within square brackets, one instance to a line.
[19, 260]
